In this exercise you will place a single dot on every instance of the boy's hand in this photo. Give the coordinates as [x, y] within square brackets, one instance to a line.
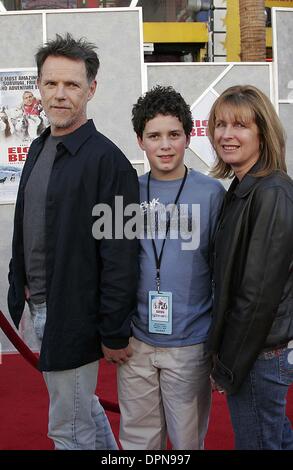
[117, 356]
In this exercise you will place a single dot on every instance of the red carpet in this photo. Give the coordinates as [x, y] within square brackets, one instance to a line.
[24, 407]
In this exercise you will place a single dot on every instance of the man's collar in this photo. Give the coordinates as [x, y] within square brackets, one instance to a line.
[75, 140]
[44, 134]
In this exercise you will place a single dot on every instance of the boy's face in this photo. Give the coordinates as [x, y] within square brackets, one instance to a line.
[164, 142]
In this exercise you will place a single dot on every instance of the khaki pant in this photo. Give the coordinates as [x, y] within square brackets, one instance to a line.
[164, 390]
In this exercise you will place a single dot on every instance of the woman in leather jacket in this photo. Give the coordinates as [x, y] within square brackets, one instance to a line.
[252, 329]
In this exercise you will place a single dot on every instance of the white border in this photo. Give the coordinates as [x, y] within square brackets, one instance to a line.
[275, 59]
[19, 69]
[211, 86]
[211, 89]
[278, 101]
[144, 78]
[69, 10]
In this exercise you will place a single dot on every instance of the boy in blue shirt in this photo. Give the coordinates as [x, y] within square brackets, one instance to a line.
[164, 388]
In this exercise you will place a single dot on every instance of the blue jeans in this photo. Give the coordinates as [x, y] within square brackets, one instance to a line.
[258, 409]
[77, 420]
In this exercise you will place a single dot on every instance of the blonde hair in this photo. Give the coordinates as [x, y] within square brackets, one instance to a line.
[247, 103]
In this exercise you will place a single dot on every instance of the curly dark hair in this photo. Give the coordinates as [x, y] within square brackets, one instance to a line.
[76, 49]
[161, 100]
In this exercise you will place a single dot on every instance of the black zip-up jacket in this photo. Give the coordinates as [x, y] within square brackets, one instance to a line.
[253, 275]
[90, 284]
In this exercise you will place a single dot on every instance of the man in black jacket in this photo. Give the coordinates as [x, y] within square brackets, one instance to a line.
[81, 291]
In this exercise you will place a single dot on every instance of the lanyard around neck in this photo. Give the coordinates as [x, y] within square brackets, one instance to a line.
[159, 258]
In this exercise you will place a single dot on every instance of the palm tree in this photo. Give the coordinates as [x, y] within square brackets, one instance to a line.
[252, 30]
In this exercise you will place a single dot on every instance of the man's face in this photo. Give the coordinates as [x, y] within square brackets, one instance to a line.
[65, 91]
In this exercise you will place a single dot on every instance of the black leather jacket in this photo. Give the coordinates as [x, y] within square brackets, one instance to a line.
[253, 275]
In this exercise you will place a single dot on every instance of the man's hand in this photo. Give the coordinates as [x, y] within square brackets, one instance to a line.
[117, 356]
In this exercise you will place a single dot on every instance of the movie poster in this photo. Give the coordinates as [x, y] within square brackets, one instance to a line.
[22, 119]
[199, 142]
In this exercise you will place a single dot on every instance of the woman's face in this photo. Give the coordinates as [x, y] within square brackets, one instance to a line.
[28, 99]
[236, 141]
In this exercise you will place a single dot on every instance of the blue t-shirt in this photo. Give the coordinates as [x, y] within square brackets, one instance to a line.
[185, 269]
